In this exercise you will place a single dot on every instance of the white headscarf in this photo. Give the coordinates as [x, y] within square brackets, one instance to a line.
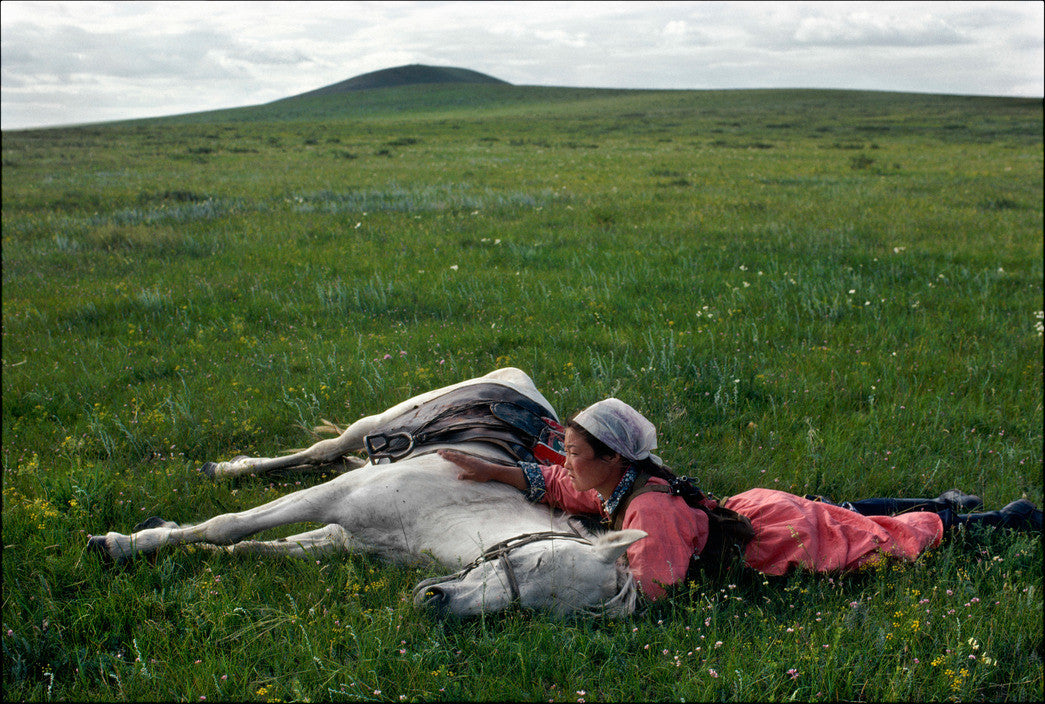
[623, 429]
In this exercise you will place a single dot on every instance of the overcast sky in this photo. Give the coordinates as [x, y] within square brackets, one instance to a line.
[75, 62]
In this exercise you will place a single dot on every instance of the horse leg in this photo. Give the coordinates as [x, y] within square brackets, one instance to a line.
[327, 540]
[324, 452]
[318, 504]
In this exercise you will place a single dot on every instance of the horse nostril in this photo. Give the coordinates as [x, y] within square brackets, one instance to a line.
[429, 594]
[434, 597]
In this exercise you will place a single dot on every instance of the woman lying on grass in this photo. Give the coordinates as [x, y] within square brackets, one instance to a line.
[610, 471]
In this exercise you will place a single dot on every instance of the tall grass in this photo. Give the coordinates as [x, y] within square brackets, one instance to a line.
[822, 292]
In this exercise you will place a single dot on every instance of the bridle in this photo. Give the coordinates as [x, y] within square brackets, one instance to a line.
[626, 591]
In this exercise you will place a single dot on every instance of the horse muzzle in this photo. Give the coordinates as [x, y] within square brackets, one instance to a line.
[431, 594]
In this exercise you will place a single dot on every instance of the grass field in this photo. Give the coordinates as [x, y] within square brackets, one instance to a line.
[817, 291]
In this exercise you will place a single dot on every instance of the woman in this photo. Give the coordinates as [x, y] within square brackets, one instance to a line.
[609, 470]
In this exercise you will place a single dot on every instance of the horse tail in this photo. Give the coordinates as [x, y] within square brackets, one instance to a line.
[327, 428]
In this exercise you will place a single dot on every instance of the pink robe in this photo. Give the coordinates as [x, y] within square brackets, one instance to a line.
[790, 531]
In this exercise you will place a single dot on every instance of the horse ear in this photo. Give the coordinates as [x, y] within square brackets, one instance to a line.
[612, 545]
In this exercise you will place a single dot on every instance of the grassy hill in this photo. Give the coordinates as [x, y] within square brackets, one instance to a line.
[413, 74]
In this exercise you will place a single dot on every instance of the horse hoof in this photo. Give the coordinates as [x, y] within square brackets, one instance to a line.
[209, 470]
[153, 522]
[96, 544]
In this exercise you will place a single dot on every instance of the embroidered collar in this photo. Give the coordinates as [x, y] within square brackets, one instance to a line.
[626, 481]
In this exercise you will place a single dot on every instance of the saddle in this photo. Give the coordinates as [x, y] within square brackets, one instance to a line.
[484, 412]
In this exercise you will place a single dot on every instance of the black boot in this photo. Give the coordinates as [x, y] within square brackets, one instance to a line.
[959, 501]
[955, 500]
[1019, 515]
[1022, 515]
[883, 507]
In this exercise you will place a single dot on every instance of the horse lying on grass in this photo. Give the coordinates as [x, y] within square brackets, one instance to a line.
[414, 510]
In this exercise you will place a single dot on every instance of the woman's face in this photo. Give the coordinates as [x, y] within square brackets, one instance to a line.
[586, 470]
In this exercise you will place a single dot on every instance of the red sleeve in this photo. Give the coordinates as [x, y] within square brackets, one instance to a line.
[674, 530]
[561, 494]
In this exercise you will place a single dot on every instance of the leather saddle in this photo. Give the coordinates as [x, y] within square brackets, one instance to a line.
[484, 412]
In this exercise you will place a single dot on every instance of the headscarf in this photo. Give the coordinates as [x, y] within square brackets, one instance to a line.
[623, 429]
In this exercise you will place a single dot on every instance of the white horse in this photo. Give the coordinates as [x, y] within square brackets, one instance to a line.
[415, 511]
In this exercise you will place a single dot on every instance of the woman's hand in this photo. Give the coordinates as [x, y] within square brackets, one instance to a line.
[477, 470]
[471, 468]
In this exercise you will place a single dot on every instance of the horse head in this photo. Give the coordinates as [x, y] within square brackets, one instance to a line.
[558, 572]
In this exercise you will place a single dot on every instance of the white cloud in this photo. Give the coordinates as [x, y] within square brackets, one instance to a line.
[867, 29]
[675, 29]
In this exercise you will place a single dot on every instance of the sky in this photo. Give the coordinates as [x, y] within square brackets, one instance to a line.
[79, 62]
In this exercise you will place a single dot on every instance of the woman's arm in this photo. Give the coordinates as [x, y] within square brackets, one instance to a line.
[478, 470]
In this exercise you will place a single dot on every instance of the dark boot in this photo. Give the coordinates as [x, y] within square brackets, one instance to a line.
[958, 501]
[892, 507]
[1019, 515]
[954, 500]
[883, 507]
[1022, 515]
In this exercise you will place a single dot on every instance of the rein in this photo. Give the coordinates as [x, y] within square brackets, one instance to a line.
[500, 551]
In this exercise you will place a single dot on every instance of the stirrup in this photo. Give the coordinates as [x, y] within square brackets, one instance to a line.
[379, 446]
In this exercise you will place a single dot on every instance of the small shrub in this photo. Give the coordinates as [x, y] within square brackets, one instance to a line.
[999, 203]
[860, 162]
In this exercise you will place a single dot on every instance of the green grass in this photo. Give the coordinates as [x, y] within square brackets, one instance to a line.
[817, 291]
